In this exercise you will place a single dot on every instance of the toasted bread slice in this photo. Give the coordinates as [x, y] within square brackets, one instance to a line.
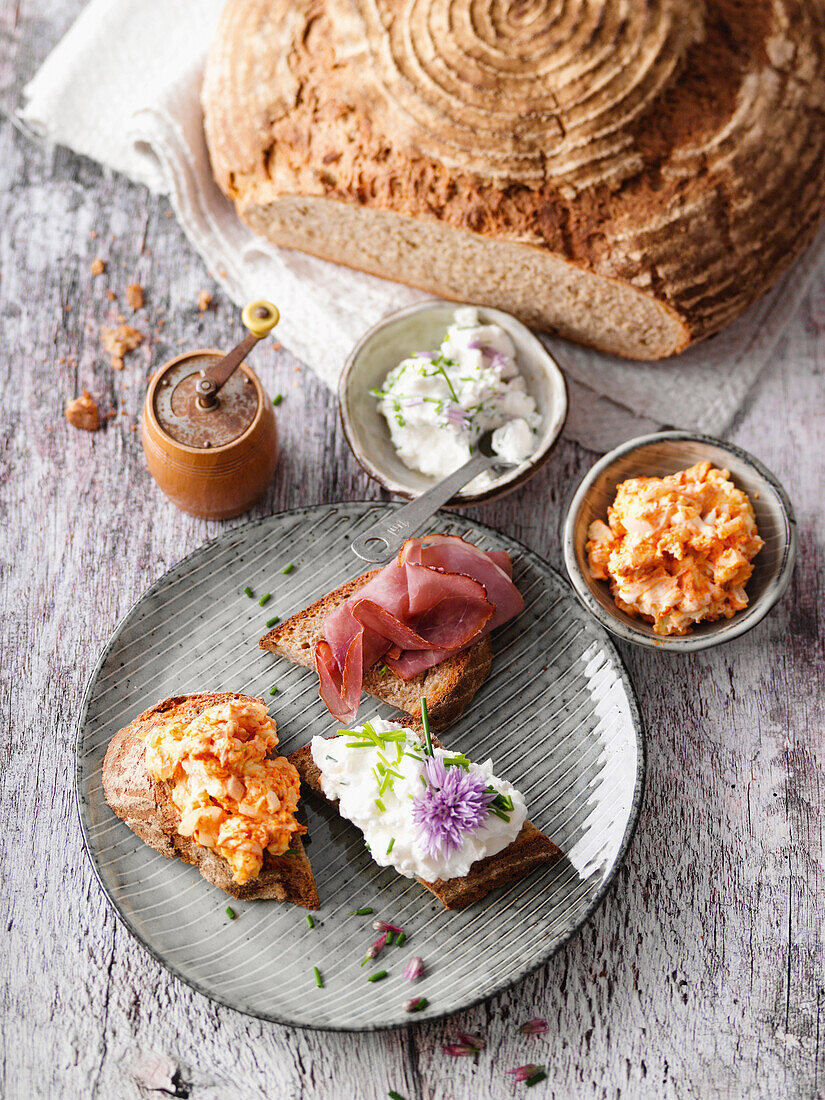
[144, 804]
[530, 849]
[448, 687]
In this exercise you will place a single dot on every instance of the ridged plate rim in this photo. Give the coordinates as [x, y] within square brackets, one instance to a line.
[518, 975]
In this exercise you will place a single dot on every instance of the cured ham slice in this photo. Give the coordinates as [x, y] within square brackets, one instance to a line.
[439, 597]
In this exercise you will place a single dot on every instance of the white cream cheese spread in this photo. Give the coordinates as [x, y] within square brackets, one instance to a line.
[438, 403]
[379, 774]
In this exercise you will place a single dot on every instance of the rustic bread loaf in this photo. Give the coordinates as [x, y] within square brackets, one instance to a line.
[447, 687]
[629, 173]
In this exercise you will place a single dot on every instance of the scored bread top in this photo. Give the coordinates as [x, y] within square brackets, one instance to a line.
[676, 146]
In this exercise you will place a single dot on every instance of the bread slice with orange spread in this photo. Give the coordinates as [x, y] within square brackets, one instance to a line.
[249, 855]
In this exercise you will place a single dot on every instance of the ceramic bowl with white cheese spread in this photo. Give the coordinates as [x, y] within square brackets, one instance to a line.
[423, 384]
[656, 456]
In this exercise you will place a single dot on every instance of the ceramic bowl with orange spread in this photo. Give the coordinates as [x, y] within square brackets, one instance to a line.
[679, 541]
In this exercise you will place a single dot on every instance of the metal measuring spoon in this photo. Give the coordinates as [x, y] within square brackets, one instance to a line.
[386, 537]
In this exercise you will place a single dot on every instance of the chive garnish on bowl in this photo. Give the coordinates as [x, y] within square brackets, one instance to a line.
[310, 920]
[264, 600]
[377, 976]
[277, 399]
[362, 912]
[230, 912]
[319, 981]
[272, 622]
[248, 592]
[273, 690]
[287, 569]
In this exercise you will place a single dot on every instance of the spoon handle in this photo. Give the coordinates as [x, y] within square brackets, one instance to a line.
[384, 539]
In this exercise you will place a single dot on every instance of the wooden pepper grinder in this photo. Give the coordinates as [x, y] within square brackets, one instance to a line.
[209, 432]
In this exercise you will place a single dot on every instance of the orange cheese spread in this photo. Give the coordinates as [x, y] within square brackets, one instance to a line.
[677, 550]
[231, 795]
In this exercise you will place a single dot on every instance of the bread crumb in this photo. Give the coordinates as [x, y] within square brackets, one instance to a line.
[98, 266]
[83, 413]
[134, 296]
[204, 300]
[110, 294]
[94, 234]
[133, 428]
[119, 342]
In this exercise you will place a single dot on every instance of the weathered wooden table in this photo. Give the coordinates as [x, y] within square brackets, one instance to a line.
[700, 976]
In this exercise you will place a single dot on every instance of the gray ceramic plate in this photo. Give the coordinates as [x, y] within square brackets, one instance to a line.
[557, 715]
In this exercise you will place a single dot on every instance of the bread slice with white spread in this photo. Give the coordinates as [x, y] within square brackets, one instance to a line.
[530, 849]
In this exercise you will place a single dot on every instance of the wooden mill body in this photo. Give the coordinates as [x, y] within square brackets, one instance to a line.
[212, 482]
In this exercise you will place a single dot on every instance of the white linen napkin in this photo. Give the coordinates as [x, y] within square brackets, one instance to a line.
[123, 87]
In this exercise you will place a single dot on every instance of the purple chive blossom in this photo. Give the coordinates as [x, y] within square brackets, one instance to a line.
[534, 1027]
[414, 969]
[385, 926]
[414, 1003]
[411, 402]
[453, 803]
[464, 1045]
[424, 355]
[456, 415]
[524, 1073]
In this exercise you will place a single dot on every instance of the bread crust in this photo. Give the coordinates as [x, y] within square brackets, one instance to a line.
[448, 687]
[529, 850]
[643, 161]
[144, 804]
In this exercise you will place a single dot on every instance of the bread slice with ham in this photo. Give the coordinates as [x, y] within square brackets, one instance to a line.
[531, 849]
[417, 627]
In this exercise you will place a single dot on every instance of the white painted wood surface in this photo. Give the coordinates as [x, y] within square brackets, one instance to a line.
[702, 974]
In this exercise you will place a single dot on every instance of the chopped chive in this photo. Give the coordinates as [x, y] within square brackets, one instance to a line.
[425, 722]
[273, 690]
[230, 912]
[390, 939]
[377, 976]
[248, 592]
[380, 805]
[264, 600]
[272, 622]
[310, 920]
[540, 1075]
[393, 1095]
[400, 939]
[288, 568]
[362, 912]
[277, 399]
[319, 981]
[392, 842]
[383, 670]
